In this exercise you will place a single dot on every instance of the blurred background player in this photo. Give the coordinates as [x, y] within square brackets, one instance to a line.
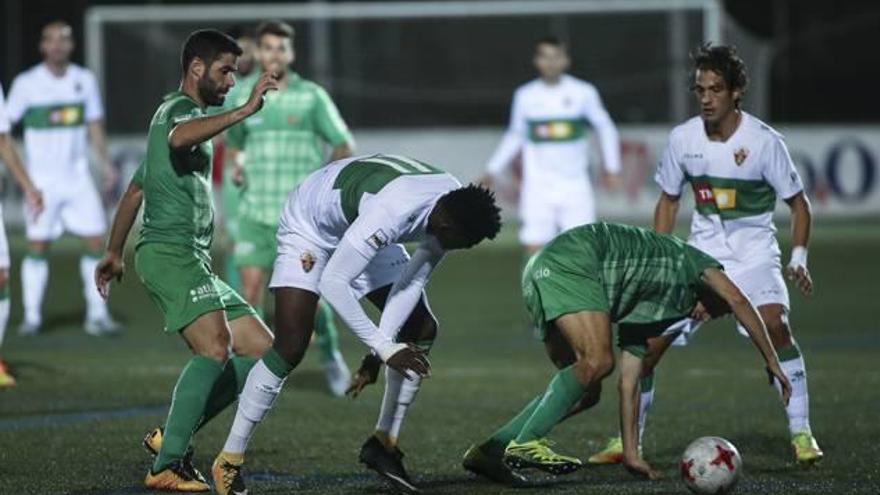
[228, 191]
[737, 166]
[34, 200]
[272, 153]
[548, 126]
[59, 105]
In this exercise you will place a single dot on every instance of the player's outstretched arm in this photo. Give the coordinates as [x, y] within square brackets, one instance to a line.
[748, 316]
[801, 223]
[32, 195]
[628, 386]
[665, 212]
[195, 131]
[111, 266]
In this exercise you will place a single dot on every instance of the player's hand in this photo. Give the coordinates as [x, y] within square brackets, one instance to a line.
[611, 182]
[367, 374]
[109, 268]
[238, 177]
[267, 82]
[638, 467]
[800, 275]
[700, 313]
[774, 372]
[34, 200]
[410, 358]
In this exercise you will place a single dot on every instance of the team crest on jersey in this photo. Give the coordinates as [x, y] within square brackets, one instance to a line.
[307, 259]
[77, 87]
[740, 155]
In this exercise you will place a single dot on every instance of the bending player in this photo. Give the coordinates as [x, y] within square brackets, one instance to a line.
[587, 278]
[340, 238]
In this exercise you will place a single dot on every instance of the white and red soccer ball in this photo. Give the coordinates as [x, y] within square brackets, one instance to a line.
[710, 465]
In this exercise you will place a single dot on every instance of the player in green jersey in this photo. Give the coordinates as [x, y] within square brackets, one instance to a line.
[651, 285]
[273, 152]
[172, 255]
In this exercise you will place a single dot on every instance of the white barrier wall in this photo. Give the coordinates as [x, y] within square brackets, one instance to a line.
[839, 164]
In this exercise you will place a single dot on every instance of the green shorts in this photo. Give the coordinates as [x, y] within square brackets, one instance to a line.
[180, 281]
[551, 289]
[256, 244]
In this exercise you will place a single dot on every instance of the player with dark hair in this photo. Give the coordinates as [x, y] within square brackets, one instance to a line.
[550, 121]
[340, 238]
[272, 154]
[173, 253]
[59, 106]
[737, 166]
[652, 286]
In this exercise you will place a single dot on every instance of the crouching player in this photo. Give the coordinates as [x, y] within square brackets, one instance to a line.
[587, 278]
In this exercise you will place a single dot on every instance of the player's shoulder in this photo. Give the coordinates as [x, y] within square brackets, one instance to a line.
[29, 74]
[756, 129]
[579, 84]
[79, 71]
[687, 130]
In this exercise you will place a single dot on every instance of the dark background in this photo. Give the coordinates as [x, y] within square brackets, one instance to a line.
[824, 68]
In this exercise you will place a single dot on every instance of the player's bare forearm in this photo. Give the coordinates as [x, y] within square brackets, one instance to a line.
[341, 151]
[628, 386]
[126, 213]
[99, 140]
[665, 212]
[13, 162]
[196, 131]
[744, 312]
[801, 219]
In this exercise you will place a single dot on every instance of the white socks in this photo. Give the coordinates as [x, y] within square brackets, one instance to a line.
[96, 307]
[798, 409]
[260, 391]
[399, 394]
[34, 275]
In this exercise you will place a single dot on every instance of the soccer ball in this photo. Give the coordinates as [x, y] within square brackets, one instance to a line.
[710, 465]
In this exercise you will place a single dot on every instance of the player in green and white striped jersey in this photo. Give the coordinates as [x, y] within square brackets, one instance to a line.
[273, 152]
[651, 285]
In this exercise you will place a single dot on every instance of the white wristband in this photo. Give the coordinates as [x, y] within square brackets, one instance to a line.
[798, 256]
[239, 158]
[389, 350]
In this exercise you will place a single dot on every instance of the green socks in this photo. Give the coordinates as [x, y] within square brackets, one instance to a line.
[227, 387]
[187, 407]
[563, 392]
[326, 333]
[498, 441]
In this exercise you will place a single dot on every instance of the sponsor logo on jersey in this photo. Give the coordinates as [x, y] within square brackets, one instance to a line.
[554, 130]
[67, 115]
[703, 193]
[725, 198]
[378, 239]
[740, 155]
[204, 291]
[540, 273]
[307, 260]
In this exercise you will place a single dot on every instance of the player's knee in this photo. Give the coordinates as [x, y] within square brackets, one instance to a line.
[421, 326]
[594, 369]
[780, 333]
[217, 350]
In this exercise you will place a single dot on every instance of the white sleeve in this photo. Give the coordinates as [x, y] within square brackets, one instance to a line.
[407, 290]
[335, 286]
[780, 172]
[669, 176]
[16, 104]
[94, 107]
[609, 139]
[4, 119]
[513, 138]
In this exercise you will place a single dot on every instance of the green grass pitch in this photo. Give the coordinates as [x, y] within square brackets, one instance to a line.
[74, 423]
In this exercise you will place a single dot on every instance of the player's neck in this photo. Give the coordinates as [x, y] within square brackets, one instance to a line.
[57, 69]
[726, 127]
[551, 81]
[193, 92]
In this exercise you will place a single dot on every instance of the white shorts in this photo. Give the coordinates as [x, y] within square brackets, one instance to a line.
[762, 283]
[545, 212]
[300, 264]
[73, 207]
[4, 243]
